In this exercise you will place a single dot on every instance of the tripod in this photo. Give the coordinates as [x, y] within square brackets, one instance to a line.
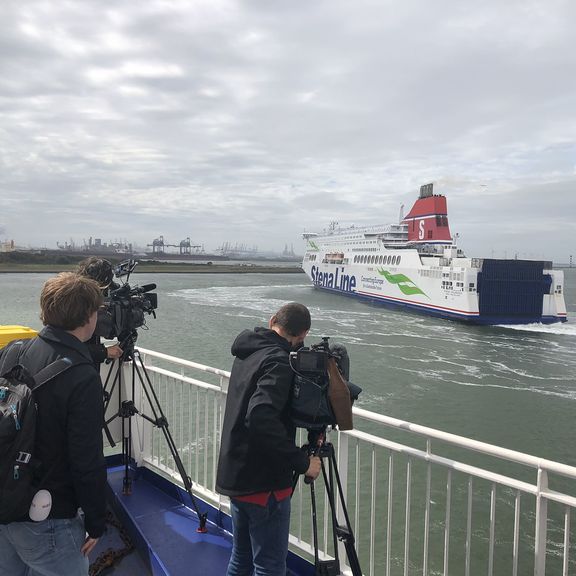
[317, 446]
[127, 409]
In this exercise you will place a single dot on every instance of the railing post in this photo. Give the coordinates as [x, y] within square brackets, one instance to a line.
[144, 426]
[541, 524]
[223, 501]
[342, 463]
[139, 433]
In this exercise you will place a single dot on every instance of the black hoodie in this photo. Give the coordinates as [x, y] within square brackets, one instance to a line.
[69, 429]
[258, 452]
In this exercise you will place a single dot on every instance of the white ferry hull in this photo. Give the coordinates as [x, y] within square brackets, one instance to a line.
[415, 265]
[395, 288]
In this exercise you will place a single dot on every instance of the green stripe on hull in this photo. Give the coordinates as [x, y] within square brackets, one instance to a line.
[406, 285]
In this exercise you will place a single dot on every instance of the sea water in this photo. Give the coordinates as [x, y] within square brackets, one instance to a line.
[513, 386]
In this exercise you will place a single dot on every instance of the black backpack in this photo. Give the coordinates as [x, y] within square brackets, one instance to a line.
[18, 429]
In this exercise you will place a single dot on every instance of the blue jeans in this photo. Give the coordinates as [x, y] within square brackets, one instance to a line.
[47, 548]
[260, 538]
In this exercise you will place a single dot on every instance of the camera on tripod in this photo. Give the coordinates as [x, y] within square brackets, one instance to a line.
[322, 394]
[322, 397]
[126, 307]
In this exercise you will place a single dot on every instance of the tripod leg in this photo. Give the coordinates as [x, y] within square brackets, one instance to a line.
[160, 420]
[108, 396]
[126, 456]
[314, 524]
[344, 533]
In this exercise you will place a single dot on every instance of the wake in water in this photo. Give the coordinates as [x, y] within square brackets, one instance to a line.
[564, 329]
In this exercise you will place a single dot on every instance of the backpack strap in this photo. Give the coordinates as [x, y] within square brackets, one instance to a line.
[11, 360]
[11, 355]
[52, 370]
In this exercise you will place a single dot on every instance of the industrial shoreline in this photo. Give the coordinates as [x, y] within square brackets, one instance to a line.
[161, 268]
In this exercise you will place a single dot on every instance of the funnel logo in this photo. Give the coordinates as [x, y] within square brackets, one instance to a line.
[336, 280]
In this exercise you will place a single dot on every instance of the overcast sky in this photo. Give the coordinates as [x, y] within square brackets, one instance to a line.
[252, 121]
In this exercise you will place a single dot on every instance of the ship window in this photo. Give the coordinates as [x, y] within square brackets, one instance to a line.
[372, 259]
[398, 261]
[393, 260]
[389, 259]
[380, 259]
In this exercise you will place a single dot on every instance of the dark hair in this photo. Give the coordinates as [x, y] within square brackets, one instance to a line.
[68, 300]
[294, 318]
[98, 269]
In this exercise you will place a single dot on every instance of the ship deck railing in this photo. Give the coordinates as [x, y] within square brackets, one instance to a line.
[420, 500]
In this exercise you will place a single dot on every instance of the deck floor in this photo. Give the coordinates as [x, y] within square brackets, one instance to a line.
[164, 533]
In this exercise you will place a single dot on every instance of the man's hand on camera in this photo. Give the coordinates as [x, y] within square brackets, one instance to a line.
[314, 468]
[114, 352]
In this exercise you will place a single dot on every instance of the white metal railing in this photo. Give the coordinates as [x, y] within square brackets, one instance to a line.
[421, 501]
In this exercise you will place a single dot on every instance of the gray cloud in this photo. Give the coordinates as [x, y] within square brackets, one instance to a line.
[250, 121]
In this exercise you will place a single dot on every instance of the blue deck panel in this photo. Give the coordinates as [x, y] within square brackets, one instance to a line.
[163, 530]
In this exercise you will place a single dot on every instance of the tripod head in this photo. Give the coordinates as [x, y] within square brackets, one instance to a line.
[316, 440]
[128, 343]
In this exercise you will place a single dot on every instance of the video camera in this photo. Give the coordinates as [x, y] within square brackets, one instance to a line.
[322, 394]
[125, 307]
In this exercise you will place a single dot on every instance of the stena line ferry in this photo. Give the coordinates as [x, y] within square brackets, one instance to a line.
[417, 265]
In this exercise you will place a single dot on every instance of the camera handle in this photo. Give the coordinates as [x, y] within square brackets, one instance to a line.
[127, 409]
[317, 446]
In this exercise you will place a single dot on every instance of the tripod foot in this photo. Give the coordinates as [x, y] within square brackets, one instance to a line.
[127, 487]
[202, 528]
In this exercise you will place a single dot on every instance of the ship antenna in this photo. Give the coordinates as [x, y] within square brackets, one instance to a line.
[401, 217]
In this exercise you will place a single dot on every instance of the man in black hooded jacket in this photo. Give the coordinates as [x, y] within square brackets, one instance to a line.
[258, 454]
[68, 439]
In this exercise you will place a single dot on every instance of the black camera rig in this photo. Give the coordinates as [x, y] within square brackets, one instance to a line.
[125, 308]
[322, 390]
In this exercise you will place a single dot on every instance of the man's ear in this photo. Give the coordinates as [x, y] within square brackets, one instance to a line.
[272, 321]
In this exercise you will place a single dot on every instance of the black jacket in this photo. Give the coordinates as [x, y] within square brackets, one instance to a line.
[97, 350]
[69, 429]
[258, 452]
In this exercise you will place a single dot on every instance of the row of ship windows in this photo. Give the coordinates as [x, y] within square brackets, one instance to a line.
[430, 273]
[372, 259]
[449, 285]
